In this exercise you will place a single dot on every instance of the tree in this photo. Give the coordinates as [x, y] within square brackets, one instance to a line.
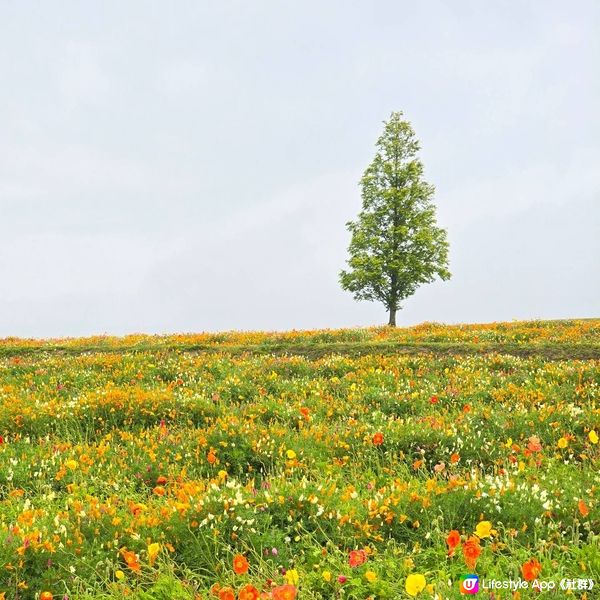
[396, 244]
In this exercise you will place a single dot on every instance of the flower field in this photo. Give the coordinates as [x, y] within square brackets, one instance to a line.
[246, 466]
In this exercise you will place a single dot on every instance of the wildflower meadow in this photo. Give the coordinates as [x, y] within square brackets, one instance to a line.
[351, 464]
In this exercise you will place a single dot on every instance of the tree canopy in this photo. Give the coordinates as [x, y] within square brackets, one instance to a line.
[396, 245]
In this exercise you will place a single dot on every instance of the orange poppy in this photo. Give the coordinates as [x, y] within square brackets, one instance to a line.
[131, 559]
[248, 592]
[534, 444]
[240, 564]
[378, 439]
[226, 593]
[284, 592]
[471, 552]
[452, 540]
[46, 596]
[531, 570]
[583, 508]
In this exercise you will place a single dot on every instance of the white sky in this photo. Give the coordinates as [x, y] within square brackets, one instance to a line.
[191, 166]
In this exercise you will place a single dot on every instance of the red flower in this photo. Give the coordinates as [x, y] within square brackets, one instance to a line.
[434, 400]
[452, 540]
[357, 558]
[378, 439]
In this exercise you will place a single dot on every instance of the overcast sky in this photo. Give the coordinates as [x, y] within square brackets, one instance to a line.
[190, 166]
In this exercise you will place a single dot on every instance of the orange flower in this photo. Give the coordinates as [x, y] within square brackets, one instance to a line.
[215, 588]
[226, 593]
[471, 552]
[534, 444]
[240, 564]
[161, 480]
[284, 592]
[131, 559]
[583, 508]
[357, 558]
[452, 540]
[378, 439]
[531, 569]
[159, 490]
[248, 592]
[455, 458]
[211, 457]
[46, 596]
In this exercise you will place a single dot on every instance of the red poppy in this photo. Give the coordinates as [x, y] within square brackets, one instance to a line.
[452, 540]
[357, 558]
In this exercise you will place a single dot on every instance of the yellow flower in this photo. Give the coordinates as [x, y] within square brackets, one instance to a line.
[153, 550]
[593, 437]
[72, 464]
[326, 575]
[509, 442]
[483, 529]
[291, 454]
[292, 577]
[371, 576]
[563, 442]
[415, 584]
[119, 575]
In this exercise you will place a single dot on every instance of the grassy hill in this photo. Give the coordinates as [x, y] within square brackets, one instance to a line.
[365, 463]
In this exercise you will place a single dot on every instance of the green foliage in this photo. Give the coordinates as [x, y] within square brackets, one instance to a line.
[396, 245]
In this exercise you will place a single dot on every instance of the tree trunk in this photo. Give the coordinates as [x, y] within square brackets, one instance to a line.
[392, 321]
